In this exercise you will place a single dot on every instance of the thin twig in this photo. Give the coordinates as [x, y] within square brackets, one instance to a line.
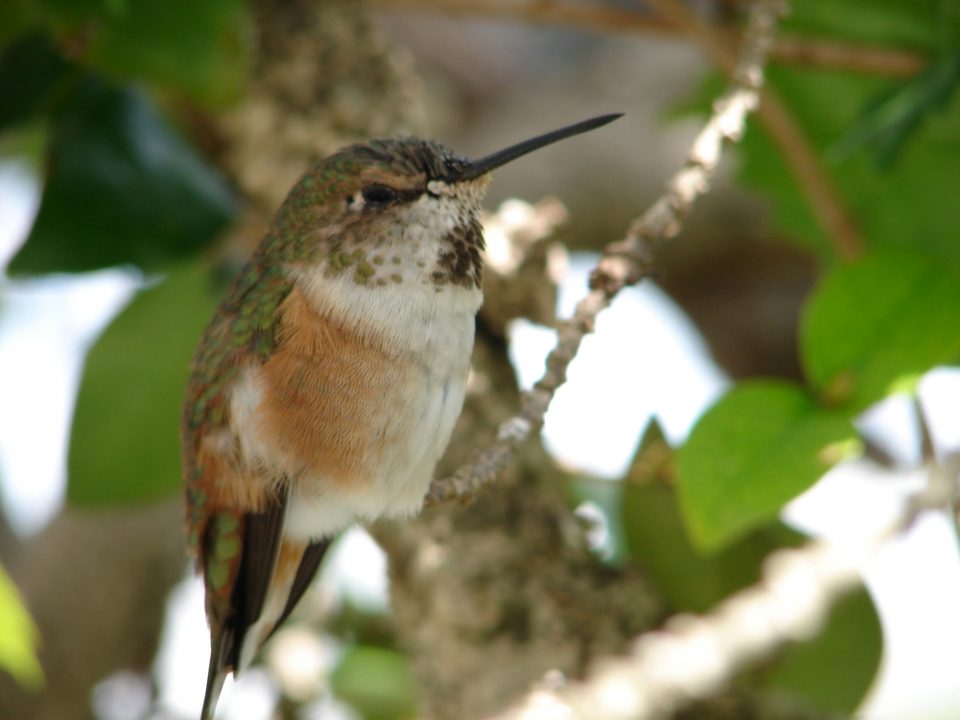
[889, 62]
[814, 52]
[780, 123]
[626, 262]
[814, 181]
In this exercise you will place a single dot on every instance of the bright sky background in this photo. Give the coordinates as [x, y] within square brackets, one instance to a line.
[645, 359]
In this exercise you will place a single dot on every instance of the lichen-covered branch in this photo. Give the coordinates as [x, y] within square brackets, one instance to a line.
[626, 262]
[693, 657]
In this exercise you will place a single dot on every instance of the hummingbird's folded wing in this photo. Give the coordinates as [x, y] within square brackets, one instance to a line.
[236, 603]
[234, 522]
[261, 542]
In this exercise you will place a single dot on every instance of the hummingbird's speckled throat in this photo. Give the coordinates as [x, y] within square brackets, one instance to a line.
[327, 384]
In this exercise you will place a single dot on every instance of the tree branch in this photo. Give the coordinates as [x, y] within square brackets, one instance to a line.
[777, 119]
[813, 52]
[626, 262]
[693, 657]
[827, 54]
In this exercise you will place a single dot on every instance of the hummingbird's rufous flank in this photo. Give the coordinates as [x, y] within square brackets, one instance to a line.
[327, 384]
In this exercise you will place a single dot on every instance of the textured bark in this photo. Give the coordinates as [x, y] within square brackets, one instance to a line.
[490, 597]
[322, 79]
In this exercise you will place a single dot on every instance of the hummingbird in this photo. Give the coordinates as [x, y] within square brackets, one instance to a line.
[328, 382]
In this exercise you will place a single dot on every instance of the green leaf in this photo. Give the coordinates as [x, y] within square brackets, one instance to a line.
[377, 682]
[122, 188]
[57, 14]
[897, 113]
[33, 77]
[200, 48]
[835, 669]
[18, 637]
[124, 445]
[908, 205]
[893, 23]
[759, 446]
[832, 670]
[690, 579]
[871, 327]
[16, 17]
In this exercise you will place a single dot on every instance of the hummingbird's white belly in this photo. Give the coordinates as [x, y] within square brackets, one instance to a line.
[420, 430]
[433, 337]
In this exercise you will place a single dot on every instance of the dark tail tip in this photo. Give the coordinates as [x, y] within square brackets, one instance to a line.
[217, 672]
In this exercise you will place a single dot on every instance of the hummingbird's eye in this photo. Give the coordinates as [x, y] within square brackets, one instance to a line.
[378, 195]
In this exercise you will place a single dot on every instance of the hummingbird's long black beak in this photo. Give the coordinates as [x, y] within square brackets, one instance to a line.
[485, 164]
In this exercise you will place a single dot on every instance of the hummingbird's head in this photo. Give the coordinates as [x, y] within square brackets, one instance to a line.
[406, 192]
[404, 181]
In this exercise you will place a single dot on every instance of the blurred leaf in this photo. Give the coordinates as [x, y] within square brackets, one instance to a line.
[16, 17]
[25, 147]
[690, 579]
[376, 682]
[835, 669]
[33, 76]
[18, 637]
[908, 205]
[124, 445]
[881, 22]
[759, 446]
[871, 327]
[950, 23]
[200, 49]
[894, 116]
[54, 14]
[654, 457]
[121, 188]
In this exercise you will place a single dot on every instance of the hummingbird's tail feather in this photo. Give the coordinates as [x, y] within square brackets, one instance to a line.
[220, 651]
[261, 544]
[230, 626]
[309, 563]
[296, 566]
